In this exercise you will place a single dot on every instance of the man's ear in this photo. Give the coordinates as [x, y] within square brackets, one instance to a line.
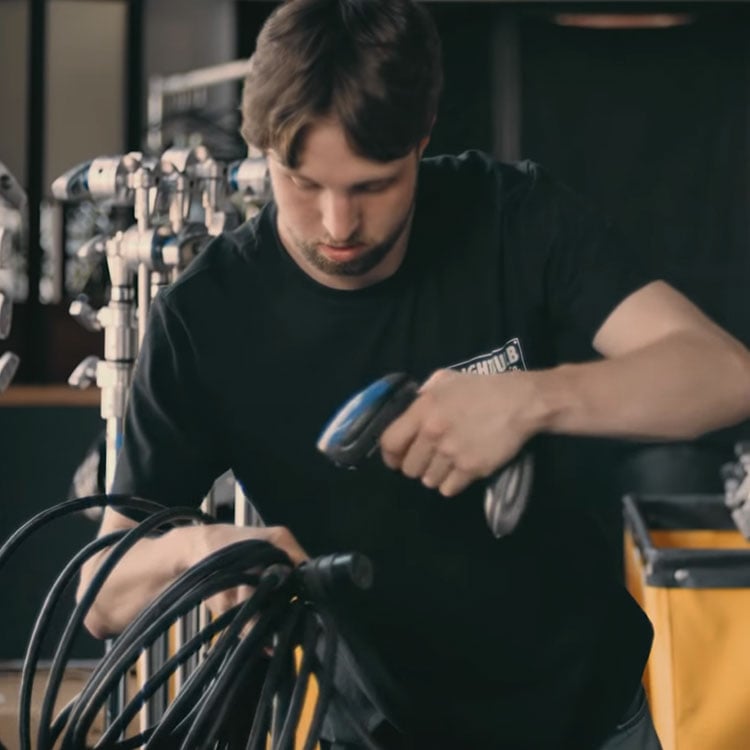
[422, 145]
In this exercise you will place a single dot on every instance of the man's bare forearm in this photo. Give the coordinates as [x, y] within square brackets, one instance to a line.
[137, 579]
[679, 387]
[676, 386]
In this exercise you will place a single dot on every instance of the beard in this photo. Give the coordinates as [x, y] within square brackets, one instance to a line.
[371, 255]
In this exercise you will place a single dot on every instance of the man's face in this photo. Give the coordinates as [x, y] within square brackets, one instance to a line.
[344, 219]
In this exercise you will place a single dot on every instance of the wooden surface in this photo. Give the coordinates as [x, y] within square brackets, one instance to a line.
[72, 683]
[49, 395]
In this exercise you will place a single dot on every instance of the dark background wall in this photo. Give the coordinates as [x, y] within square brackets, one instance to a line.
[653, 126]
[41, 445]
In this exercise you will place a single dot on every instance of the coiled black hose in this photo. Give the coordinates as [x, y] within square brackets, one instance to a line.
[219, 571]
[40, 628]
[116, 553]
[286, 610]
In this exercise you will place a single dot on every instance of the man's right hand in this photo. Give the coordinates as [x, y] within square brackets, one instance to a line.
[153, 564]
[218, 536]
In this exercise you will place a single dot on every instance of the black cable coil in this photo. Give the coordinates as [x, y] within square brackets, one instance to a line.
[247, 690]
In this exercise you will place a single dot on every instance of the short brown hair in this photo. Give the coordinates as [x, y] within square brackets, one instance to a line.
[374, 65]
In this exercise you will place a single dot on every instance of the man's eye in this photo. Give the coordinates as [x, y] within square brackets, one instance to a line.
[303, 184]
[373, 187]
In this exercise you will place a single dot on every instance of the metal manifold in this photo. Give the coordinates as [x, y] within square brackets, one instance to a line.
[173, 206]
[737, 488]
[163, 211]
[13, 233]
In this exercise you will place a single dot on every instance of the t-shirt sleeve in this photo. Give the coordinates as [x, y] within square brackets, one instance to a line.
[171, 451]
[586, 264]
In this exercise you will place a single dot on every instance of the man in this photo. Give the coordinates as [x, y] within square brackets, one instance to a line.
[470, 276]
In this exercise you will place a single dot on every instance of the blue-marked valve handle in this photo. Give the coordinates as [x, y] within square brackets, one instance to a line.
[353, 433]
[74, 184]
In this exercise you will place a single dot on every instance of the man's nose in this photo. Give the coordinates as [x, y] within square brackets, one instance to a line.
[340, 215]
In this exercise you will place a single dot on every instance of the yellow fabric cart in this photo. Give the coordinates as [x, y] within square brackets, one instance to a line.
[689, 568]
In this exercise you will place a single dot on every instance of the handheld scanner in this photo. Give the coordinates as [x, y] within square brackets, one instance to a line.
[507, 494]
[353, 433]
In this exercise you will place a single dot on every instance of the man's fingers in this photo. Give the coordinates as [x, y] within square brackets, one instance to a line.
[418, 458]
[244, 592]
[437, 471]
[403, 433]
[398, 437]
[228, 598]
[454, 483]
[282, 538]
[436, 377]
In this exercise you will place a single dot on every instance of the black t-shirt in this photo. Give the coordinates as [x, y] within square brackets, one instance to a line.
[528, 641]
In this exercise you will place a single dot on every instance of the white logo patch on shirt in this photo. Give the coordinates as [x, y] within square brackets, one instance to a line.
[508, 357]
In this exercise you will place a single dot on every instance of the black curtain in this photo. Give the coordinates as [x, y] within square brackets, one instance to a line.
[653, 126]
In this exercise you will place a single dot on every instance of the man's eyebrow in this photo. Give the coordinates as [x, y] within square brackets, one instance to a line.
[299, 175]
[374, 181]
